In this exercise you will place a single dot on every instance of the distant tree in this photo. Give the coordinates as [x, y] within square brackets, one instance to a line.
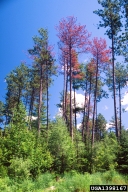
[16, 88]
[100, 126]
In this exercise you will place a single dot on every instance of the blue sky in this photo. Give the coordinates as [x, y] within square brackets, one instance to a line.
[20, 21]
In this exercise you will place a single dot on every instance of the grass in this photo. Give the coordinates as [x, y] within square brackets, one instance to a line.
[69, 182]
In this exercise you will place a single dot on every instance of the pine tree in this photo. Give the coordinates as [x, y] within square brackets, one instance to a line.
[112, 21]
[43, 64]
[61, 147]
[16, 89]
[100, 58]
[72, 37]
[101, 126]
[122, 157]
[121, 82]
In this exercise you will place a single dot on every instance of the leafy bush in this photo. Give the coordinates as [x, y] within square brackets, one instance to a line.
[20, 169]
[61, 147]
[122, 157]
[104, 154]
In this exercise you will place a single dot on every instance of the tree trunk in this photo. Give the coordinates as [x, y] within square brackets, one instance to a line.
[40, 100]
[71, 128]
[89, 101]
[114, 90]
[83, 128]
[95, 96]
[120, 108]
[31, 107]
[47, 103]
[64, 90]
[66, 116]
[75, 108]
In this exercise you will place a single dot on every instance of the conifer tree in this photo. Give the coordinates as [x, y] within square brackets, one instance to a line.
[16, 88]
[100, 59]
[72, 36]
[112, 21]
[121, 82]
[43, 64]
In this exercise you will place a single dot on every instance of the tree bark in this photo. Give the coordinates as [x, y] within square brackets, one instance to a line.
[75, 108]
[47, 96]
[64, 90]
[84, 114]
[114, 89]
[95, 96]
[120, 108]
[89, 101]
[40, 100]
[71, 128]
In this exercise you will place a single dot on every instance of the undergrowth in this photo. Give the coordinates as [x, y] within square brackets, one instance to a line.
[69, 182]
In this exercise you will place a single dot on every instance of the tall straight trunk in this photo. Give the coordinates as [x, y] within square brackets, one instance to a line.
[89, 101]
[47, 96]
[31, 107]
[96, 127]
[75, 107]
[40, 100]
[71, 128]
[93, 121]
[120, 108]
[114, 89]
[95, 96]
[31, 102]
[83, 128]
[64, 90]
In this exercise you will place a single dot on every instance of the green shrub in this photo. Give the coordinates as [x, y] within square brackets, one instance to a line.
[3, 171]
[20, 169]
[104, 154]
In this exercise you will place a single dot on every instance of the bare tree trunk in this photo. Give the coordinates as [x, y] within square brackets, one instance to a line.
[31, 107]
[47, 101]
[66, 90]
[40, 101]
[89, 101]
[71, 128]
[85, 102]
[75, 107]
[120, 108]
[114, 88]
[93, 121]
[94, 110]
